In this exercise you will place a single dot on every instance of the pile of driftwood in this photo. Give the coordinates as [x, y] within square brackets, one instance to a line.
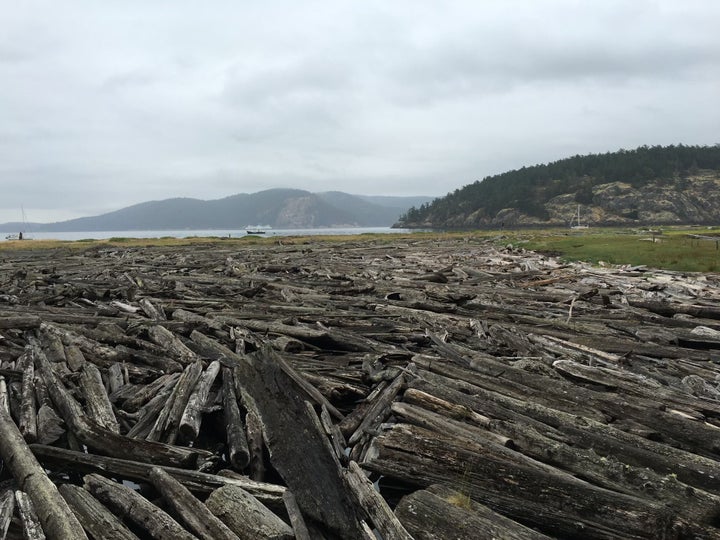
[416, 388]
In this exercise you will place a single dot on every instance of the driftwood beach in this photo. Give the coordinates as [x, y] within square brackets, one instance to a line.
[415, 388]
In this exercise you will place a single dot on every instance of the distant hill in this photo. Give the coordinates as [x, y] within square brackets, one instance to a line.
[648, 185]
[278, 208]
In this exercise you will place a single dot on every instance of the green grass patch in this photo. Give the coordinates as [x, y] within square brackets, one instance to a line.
[672, 250]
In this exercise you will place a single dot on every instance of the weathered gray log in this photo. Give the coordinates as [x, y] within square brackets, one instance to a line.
[19, 322]
[169, 341]
[192, 416]
[116, 378]
[168, 421]
[190, 317]
[303, 460]
[50, 425]
[311, 391]
[373, 504]
[96, 399]
[149, 391]
[148, 414]
[32, 529]
[419, 416]
[337, 441]
[256, 446]
[94, 516]
[57, 520]
[582, 432]
[444, 407]
[668, 309]
[352, 421]
[445, 513]
[152, 311]
[271, 356]
[134, 507]
[563, 395]
[297, 521]
[106, 441]
[238, 452]
[379, 409]
[247, 517]
[554, 502]
[7, 507]
[53, 347]
[324, 338]
[61, 459]
[193, 513]
[609, 472]
[86, 345]
[156, 361]
[75, 358]
[27, 421]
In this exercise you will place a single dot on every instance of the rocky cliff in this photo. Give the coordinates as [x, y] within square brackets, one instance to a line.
[694, 199]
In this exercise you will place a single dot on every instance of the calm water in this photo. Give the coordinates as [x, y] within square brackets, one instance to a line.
[103, 235]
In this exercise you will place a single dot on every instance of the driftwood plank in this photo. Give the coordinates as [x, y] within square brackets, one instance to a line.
[304, 461]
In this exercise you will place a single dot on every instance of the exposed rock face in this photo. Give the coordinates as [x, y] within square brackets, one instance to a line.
[298, 212]
[692, 200]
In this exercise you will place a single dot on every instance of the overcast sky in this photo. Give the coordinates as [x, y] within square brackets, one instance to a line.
[111, 103]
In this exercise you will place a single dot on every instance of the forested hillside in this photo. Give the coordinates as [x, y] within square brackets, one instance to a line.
[616, 187]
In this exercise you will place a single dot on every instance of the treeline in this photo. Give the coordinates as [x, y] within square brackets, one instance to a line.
[529, 188]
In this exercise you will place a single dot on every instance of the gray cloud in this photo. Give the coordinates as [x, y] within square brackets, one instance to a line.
[109, 104]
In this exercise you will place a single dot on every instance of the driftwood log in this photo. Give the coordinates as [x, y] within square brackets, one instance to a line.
[412, 387]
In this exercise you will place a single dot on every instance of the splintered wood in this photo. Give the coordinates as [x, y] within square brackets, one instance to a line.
[398, 389]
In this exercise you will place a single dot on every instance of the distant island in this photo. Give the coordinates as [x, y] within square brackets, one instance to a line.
[656, 185]
[276, 208]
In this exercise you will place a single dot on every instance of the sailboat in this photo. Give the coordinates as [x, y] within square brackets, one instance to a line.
[576, 220]
[22, 235]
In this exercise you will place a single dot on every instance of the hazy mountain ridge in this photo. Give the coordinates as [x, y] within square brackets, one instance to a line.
[278, 208]
[649, 185]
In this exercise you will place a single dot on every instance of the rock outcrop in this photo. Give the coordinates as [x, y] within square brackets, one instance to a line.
[690, 200]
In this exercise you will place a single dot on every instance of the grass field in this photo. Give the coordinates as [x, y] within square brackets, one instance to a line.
[674, 249]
